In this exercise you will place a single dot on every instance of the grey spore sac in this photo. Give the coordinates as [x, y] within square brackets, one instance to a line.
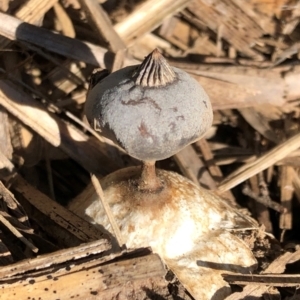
[154, 121]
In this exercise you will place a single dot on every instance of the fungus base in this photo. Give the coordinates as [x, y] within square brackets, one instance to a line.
[189, 227]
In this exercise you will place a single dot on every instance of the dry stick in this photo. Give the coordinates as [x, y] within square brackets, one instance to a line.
[262, 212]
[118, 60]
[59, 257]
[18, 234]
[65, 21]
[102, 24]
[31, 12]
[287, 192]
[264, 200]
[264, 191]
[191, 165]
[214, 170]
[147, 17]
[105, 28]
[296, 184]
[13, 204]
[14, 29]
[108, 211]
[271, 279]
[276, 267]
[5, 163]
[49, 172]
[265, 161]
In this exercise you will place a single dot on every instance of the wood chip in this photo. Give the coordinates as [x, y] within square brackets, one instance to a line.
[86, 278]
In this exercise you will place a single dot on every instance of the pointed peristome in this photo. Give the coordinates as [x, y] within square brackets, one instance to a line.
[154, 71]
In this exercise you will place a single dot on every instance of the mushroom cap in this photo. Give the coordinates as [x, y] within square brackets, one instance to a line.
[150, 123]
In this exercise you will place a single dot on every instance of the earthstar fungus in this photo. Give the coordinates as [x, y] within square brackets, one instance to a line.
[153, 111]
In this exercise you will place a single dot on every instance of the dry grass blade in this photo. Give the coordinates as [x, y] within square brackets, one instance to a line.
[14, 206]
[32, 11]
[265, 161]
[119, 59]
[147, 17]
[261, 211]
[296, 184]
[14, 29]
[237, 86]
[102, 24]
[5, 256]
[6, 148]
[32, 247]
[5, 164]
[108, 211]
[64, 20]
[286, 53]
[287, 193]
